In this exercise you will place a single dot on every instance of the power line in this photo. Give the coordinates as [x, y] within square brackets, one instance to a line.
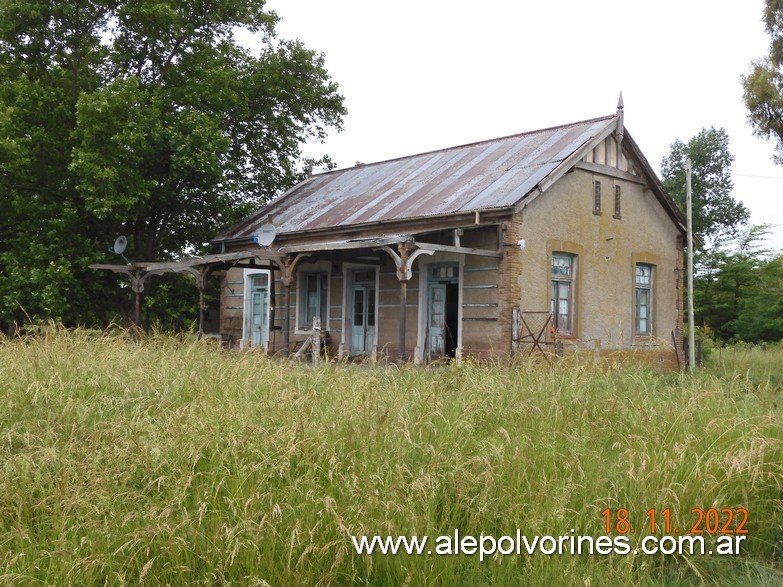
[757, 176]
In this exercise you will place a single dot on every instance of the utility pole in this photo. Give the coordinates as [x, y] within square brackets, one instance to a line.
[689, 212]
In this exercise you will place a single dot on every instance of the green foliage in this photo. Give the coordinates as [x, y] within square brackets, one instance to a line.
[737, 286]
[738, 289]
[173, 462]
[763, 86]
[144, 118]
[761, 313]
[716, 214]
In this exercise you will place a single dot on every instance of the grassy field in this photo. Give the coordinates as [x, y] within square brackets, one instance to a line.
[173, 462]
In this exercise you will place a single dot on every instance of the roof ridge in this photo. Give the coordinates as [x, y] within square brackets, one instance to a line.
[471, 144]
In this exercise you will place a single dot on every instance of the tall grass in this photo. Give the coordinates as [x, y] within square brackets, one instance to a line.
[172, 461]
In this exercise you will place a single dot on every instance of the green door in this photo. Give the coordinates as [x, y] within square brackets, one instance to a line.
[362, 319]
[259, 311]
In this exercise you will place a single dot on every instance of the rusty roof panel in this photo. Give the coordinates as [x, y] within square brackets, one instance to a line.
[492, 174]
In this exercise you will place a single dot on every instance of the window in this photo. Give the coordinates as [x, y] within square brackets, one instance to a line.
[617, 201]
[258, 280]
[596, 197]
[312, 298]
[561, 302]
[644, 300]
[444, 271]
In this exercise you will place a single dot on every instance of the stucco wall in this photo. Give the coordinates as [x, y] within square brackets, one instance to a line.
[607, 249]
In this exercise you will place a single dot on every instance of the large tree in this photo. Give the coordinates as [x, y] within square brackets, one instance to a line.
[142, 117]
[716, 214]
[763, 86]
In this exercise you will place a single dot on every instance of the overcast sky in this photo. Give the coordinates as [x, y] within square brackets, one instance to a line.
[429, 74]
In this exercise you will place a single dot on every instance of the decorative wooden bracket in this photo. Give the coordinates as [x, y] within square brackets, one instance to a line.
[288, 267]
[404, 263]
[404, 260]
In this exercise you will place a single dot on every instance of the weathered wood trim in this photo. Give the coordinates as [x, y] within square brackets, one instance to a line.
[459, 250]
[488, 268]
[610, 171]
[414, 225]
[185, 264]
[369, 243]
[569, 162]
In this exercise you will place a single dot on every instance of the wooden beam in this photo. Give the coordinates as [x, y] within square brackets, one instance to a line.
[360, 243]
[177, 266]
[185, 265]
[610, 171]
[115, 268]
[463, 250]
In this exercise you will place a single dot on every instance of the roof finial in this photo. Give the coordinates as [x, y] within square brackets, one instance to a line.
[620, 120]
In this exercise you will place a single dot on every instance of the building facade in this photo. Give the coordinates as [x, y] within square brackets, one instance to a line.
[512, 245]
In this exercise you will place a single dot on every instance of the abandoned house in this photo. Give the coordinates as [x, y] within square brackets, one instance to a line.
[562, 235]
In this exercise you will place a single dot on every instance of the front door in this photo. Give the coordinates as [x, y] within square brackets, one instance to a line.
[443, 310]
[363, 313]
[259, 310]
[437, 322]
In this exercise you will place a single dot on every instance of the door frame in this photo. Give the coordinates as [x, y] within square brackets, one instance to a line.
[247, 304]
[439, 258]
[348, 283]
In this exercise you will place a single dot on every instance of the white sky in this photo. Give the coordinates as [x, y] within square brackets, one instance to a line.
[419, 75]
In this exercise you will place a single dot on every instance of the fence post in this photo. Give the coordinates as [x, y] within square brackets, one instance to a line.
[316, 341]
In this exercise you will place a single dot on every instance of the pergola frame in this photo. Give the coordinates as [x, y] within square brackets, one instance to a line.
[200, 267]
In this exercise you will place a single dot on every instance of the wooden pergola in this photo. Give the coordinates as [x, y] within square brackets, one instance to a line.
[200, 267]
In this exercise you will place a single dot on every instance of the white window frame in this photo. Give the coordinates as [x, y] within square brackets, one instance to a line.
[638, 288]
[556, 280]
[247, 301]
[422, 281]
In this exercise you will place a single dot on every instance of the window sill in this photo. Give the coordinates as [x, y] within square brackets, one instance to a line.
[597, 212]
[617, 217]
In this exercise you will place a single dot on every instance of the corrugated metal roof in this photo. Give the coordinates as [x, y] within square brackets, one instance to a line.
[496, 173]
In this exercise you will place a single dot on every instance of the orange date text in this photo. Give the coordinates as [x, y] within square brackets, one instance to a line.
[709, 521]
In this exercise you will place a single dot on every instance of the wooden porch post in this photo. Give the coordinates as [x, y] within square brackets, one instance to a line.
[201, 273]
[403, 317]
[287, 317]
[287, 273]
[137, 313]
[137, 285]
[403, 261]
